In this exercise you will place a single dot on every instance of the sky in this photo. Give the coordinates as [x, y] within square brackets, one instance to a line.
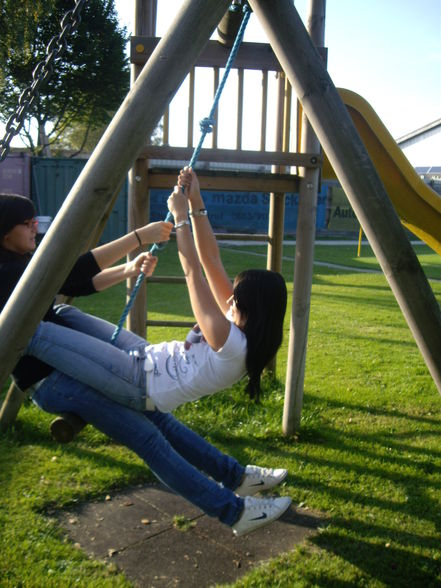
[388, 51]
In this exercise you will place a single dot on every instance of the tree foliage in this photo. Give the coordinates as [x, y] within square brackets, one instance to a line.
[88, 83]
[78, 138]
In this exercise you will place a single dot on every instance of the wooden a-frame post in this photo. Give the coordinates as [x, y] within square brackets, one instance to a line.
[138, 205]
[118, 148]
[356, 173]
[304, 258]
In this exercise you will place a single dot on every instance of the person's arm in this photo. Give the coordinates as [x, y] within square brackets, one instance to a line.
[145, 263]
[212, 322]
[91, 271]
[107, 254]
[206, 245]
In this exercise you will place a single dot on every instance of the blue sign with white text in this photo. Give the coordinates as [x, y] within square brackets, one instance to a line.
[242, 211]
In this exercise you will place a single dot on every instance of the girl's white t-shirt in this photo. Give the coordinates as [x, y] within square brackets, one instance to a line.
[183, 371]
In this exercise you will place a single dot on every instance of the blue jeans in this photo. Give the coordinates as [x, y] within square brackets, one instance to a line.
[180, 458]
[82, 350]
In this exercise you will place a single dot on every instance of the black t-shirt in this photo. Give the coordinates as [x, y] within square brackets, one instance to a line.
[30, 370]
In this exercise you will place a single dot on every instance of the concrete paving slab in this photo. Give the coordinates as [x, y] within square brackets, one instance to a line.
[136, 531]
[117, 521]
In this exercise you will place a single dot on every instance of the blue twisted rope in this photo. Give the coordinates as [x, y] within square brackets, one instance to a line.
[206, 126]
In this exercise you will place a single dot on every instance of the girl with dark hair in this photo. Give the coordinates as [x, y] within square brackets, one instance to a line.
[91, 273]
[239, 328]
[183, 460]
[16, 211]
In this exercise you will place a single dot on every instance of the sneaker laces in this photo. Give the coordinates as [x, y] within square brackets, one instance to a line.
[252, 503]
[256, 472]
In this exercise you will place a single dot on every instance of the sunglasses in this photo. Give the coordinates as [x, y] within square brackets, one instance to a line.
[31, 223]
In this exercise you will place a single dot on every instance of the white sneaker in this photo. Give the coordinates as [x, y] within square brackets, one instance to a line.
[258, 479]
[259, 512]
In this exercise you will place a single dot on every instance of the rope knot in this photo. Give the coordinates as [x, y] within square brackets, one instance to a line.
[206, 125]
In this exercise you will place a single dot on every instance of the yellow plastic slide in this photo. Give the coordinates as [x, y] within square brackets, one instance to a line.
[418, 206]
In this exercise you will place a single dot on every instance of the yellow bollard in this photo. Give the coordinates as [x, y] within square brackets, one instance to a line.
[360, 235]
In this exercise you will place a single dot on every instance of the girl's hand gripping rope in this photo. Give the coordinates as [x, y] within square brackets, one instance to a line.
[178, 205]
[157, 232]
[144, 262]
[189, 182]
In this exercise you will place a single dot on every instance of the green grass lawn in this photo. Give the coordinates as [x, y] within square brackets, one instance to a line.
[347, 255]
[368, 454]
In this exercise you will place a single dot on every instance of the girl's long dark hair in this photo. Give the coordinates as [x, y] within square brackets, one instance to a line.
[260, 296]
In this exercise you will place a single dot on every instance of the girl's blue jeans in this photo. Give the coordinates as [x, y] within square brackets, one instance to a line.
[82, 350]
[180, 458]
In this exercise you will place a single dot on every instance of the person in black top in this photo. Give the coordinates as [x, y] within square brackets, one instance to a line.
[91, 273]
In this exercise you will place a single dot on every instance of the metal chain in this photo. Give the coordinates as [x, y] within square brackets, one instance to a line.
[41, 74]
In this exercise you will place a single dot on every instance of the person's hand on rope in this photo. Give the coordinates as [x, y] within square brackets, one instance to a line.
[178, 205]
[157, 232]
[144, 262]
[188, 180]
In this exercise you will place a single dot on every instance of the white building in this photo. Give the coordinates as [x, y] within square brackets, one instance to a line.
[422, 147]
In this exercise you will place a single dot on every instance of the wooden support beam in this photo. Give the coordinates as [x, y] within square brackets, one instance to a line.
[228, 181]
[138, 215]
[66, 426]
[250, 55]
[264, 111]
[229, 26]
[181, 279]
[138, 204]
[258, 237]
[154, 323]
[258, 56]
[190, 119]
[356, 173]
[276, 215]
[239, 124]
[11, 405]
[166, 280]
[263, 158]
[242, 237]
[304, 259]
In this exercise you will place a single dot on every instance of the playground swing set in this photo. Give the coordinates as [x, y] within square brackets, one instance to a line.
[326, 122]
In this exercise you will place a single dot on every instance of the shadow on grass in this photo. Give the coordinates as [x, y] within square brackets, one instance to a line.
[392, 566]
[372, 337]
[315, 400]
[364, 474]
[388, 303]
[319, 279]
[386, 553]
